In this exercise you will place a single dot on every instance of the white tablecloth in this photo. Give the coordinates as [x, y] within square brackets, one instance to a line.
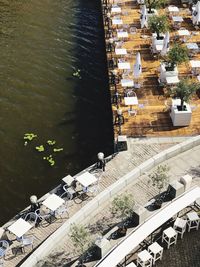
[124, 66]
[127, 83]
[120, 51]
[183, 32]
[131, 100]
[117, 21]
[20, 227]
[53, 202]
[86, 179]
[195, 63]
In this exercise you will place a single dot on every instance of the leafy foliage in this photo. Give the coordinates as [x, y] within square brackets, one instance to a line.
[155, 4]
[158, 24]
[29, 136]
[40, 148]
[57, 149]
[184, 90]
[123, 206]
[177, 55]
[80, 238]
[160, 177]
[51, 142]
[50, 160]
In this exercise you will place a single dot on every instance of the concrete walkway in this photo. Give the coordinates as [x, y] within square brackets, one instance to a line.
[185, 163]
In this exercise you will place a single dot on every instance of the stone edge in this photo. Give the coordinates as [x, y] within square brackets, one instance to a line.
[44, 249]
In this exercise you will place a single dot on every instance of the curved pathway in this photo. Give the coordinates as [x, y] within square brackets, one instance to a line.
[186, 162]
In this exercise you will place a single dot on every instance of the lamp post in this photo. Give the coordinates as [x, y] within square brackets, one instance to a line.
[34, 203]
[101, 163]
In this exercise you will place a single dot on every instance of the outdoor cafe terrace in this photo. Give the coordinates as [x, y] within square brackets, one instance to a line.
[126, 42]
[121, 164]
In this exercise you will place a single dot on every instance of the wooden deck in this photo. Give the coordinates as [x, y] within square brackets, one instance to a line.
[154, 119]
[137, 154]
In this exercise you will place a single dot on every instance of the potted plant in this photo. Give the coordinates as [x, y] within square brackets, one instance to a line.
[159, 179]
[122, 206]
[181, 114]
[176, 55]
[81, 240]
[158, 24]
[153, 4]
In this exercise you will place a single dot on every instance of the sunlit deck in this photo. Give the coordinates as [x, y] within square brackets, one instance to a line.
[154, 118]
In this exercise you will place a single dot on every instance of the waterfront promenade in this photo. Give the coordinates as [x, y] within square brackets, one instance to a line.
[184, 163]
[120, 165]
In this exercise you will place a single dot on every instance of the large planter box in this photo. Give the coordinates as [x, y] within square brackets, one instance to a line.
[165, 73]
[181, 118]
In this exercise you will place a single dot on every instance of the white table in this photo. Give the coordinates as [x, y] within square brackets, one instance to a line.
[124, 65]
[117, 21]
[177, 18]
[20, 227]
[116, 9]
[195, 63]
[192, 46]
[131, 100]
[53, 202]
[172, 80]
[173, 9]
[122, 34]
[127, 83]
[120, 51]
[183, 33]
[68, 179]
[86, 179]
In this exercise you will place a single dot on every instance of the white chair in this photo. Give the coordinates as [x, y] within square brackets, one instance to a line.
[26, 241]
[144, 259]
[192, 220]
[31, 218]
[62, 211]
[4, 245]
[132, 112]
[69, 192]
[180, 226]
[169, 236]
[156, 251]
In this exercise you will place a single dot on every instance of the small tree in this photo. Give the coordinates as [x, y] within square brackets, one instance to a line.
[154, 4]
[160, 177]
[123, 206]
[158, 24]
[184, 90]
[177, 55]
[80, 239]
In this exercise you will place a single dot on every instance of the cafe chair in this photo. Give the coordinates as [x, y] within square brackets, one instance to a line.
[4, 245]
[31, 218]
[25, 241]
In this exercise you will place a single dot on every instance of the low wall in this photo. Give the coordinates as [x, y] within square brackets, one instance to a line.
[88, 210]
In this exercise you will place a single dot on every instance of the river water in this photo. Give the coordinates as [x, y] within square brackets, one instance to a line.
[42, 43]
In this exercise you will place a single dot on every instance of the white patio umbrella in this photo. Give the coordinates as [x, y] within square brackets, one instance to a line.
[137, 68]
[196, 14]
[165, 44]
[143, 20]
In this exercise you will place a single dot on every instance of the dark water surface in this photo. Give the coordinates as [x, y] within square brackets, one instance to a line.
[42, 42]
